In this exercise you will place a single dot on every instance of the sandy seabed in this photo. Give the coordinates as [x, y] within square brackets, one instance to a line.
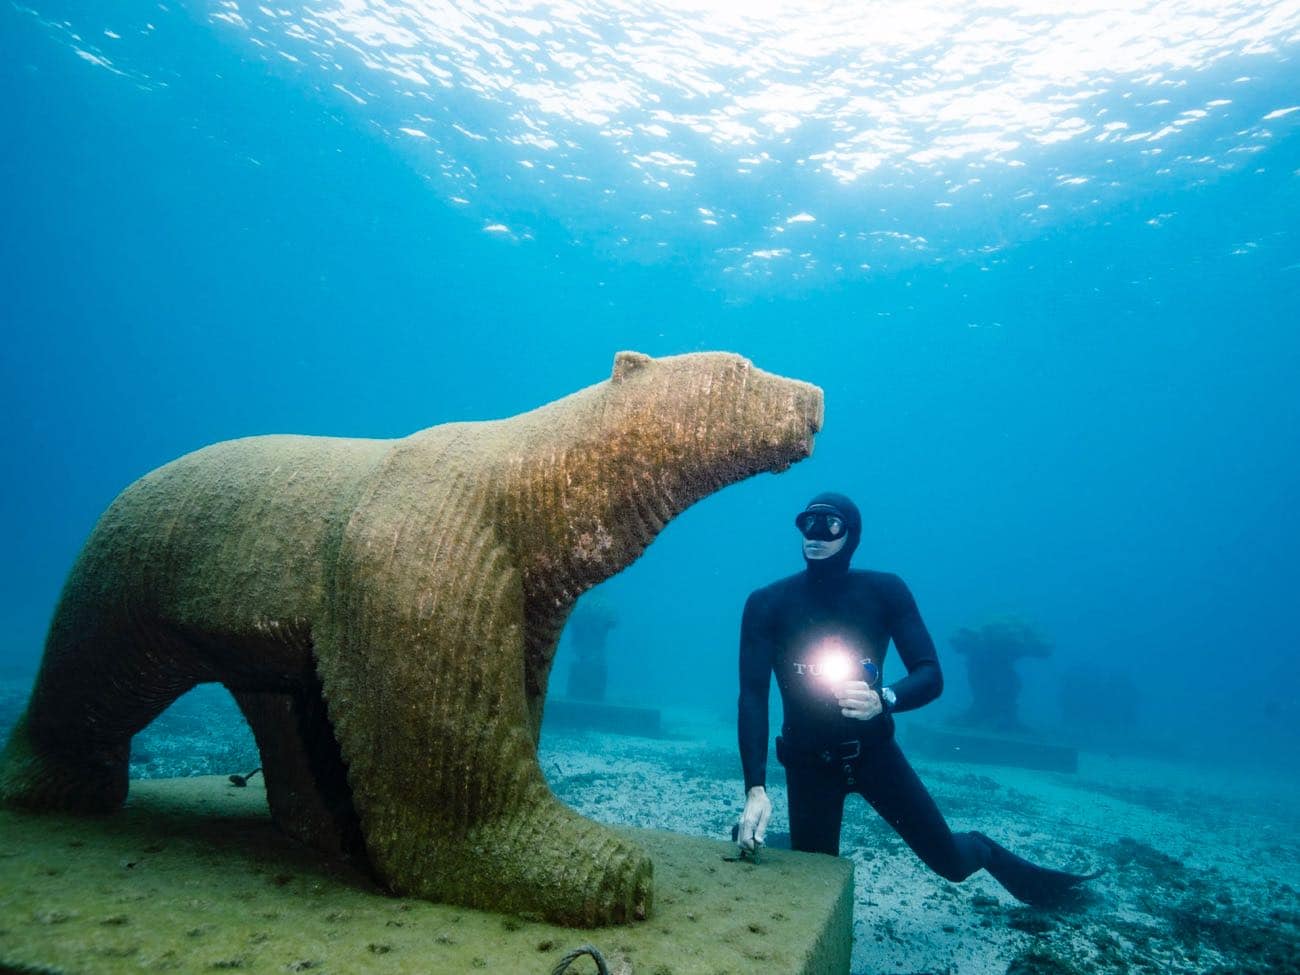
[1201, 874]
[1202, 867]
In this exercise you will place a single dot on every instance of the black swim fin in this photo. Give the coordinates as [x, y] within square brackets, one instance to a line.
[1028, 882]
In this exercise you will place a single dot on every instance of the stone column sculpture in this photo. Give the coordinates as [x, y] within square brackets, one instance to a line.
[991, 652]
[589, 628]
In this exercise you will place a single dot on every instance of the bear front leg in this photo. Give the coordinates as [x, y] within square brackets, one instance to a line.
[546, 861]
[523, 853]
[452, 803]
[306, 781]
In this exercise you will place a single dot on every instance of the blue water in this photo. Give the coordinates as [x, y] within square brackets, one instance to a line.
[1045, 267]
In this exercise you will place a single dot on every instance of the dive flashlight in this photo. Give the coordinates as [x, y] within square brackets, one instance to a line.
[836, 663]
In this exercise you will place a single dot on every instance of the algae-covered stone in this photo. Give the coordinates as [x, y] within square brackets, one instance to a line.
[214, 886]
[386, 613]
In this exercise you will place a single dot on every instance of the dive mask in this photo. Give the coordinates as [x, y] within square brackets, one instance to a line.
[821, 523]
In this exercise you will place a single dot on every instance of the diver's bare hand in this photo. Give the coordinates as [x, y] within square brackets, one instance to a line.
[857, 700]
[753, 821]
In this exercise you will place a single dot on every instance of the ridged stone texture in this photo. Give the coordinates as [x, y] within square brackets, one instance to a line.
[386, 613]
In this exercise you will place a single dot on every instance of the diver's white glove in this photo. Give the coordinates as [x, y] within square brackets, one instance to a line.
[858, 700]
[753, 821]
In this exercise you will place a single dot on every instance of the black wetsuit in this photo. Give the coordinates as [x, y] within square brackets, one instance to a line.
[789, 629]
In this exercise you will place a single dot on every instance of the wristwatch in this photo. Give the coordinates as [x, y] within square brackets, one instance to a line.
[888, 698]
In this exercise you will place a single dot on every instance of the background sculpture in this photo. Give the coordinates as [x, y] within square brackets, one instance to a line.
[588, 630]
[385, 612]
[991, 651]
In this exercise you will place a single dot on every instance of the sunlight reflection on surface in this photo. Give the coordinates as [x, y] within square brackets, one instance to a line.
[885, 84]
[726, 119]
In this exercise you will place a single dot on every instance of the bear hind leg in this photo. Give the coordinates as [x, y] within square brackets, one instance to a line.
[71, 749]
[39, 775]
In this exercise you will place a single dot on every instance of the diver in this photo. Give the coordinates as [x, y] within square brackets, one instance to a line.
[824, 633]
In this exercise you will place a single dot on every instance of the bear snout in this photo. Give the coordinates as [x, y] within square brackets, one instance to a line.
[817, 411]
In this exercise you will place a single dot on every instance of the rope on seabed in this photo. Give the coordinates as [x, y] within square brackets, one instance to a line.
[242, 780]
[577, 953]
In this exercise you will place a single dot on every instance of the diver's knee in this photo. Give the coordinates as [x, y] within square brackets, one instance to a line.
[965, 858]
[830, 847]
[952, 872]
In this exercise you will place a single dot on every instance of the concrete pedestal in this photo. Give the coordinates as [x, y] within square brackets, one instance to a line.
[985, 748]
[621, 719]
[191, 876]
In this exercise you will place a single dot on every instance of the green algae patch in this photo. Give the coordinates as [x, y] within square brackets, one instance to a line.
[192, 876]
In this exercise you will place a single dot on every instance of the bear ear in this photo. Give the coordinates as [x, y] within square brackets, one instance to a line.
[627, 363]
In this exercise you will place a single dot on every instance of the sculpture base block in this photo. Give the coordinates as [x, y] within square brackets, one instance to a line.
[620, 719]
[986, 748]
[192, 876]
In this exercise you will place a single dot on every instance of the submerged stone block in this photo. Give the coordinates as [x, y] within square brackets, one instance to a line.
[959, 745]
[192, 876]
[620, 719]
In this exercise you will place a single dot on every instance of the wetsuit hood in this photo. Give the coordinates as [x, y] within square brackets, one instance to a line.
[838, 563]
